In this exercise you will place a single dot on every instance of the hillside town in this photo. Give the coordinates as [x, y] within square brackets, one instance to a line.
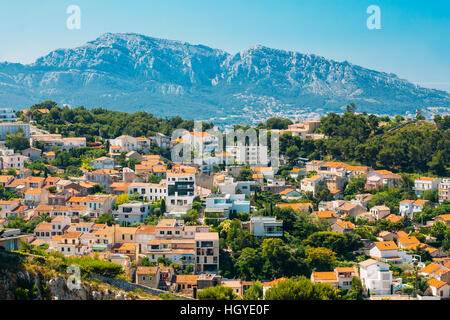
[228, 220]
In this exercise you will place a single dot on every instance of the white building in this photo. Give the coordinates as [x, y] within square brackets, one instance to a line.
[380, 212]
[252, 155]
[132, 212]
[149, 191]
[444, 190]
[124, 143]
[310, 184]
[7, 115]
[230, 186]
[424, 183]
[162, 141]
[406, 208]
[12, 128]
[201, 142]
[264, 227]
[180, 191]
[228, 204]
[389, 252]
[376, 277]
[103, 163]
[15, 161]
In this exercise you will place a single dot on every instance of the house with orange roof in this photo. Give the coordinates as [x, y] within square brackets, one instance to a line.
[96, 205]
[144, 233]
[363, 199]
[104, 177]
[34, 197]
[34, 182]
[357, 170]
[297, 172]
[439, 288]
[49, 155]
[148, 276]
[434, 252]
[68, 244]
[186, 284]
[380, 212]
[143, 144]
[394, 218]
[296, 206]
[329, 277]
[5, 180]
[338, 278]
[445, 218]
[382, 178]
[419, 204]
[270, 284]
[267, 172]
[329, 216]
[388, 251]
[343, 226]
[7, 206]
[436, 271]
[410, 242]
[349, 209]
[314, 165]
[310, 184]
[290, 194]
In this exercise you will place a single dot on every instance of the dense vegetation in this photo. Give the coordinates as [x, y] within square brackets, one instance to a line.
[384, 143]
[104, 123]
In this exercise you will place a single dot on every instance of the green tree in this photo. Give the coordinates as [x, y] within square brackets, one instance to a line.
[320, 259]
[301, 289]
[255, 292]
[17, 141]
[217, 293]
[105, 219]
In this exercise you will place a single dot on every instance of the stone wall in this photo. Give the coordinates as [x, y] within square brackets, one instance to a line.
[128, 286]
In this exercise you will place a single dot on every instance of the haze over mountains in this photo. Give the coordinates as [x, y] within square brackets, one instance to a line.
[131, 72]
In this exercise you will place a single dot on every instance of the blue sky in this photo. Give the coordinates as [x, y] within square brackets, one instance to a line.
[414, 41]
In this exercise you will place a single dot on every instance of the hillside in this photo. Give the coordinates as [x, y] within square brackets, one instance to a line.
[134, 72]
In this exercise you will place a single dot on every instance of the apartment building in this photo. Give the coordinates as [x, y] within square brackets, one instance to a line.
[132, 212]
[7, 115]
[444, 190]
[310, 184]
[12, 128]
[424, 183]
[206, 252]
[376, 277]
[16, 161]
[252, 155]
[149, 191]
[180, 191]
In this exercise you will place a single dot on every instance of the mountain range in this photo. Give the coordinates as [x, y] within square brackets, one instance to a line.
[133, 72]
